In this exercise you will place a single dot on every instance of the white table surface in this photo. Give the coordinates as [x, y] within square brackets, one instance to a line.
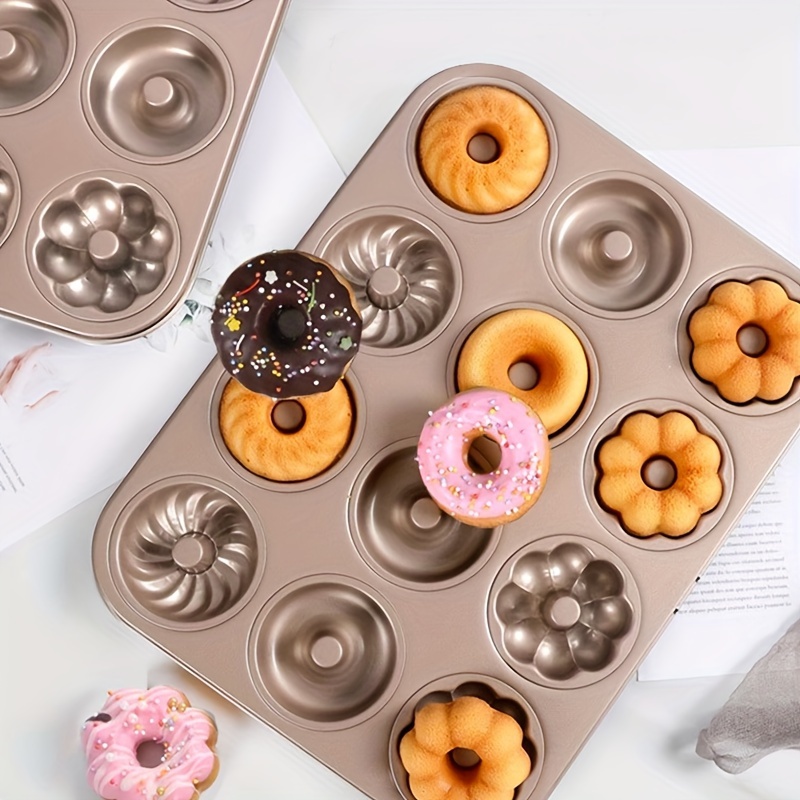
[659, 75]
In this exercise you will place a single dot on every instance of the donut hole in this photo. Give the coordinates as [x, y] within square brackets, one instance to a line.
[463, 758]
[752, 340]
[523, 375]
[288, 416]
[483, 455]
[288, 324]
[151, 753]
[659, 473]
[483, 148]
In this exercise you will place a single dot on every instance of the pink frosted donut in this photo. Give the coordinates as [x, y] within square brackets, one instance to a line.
[130, 717]
[503, 494]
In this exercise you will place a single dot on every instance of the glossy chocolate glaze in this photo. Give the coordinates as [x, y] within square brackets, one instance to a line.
[285, 325]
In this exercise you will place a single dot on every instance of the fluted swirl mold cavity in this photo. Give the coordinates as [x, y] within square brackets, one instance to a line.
[564, 612]
[187, 554]
[100, 244]
[404, 272]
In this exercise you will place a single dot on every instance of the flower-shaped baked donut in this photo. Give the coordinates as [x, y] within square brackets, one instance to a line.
[104, 245]
[563, 612]
[674, 440]
[132, 720]
[718, 357]
[466, 723]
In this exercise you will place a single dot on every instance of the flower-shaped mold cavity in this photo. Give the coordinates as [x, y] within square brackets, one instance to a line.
[667, 462]
[158, 92]
[9, 195]
[537, 372]
[564, 611]
[37, 46]
[617, 244]
[209, 5]
[489, 145]
[287, 417]
[498, 695]
[404, 272]
[402, 533]
[749, 332]
[101, 246]
[326, 652]
[186, 553]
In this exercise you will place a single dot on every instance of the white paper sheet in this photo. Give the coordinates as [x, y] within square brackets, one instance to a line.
[750, 593]
[74, 417]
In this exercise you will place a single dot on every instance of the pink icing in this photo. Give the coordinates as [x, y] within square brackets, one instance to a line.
[160, 714]
[443, 446]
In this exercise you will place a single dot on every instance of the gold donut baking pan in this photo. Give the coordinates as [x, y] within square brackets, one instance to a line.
[344, 602]
[106, 118]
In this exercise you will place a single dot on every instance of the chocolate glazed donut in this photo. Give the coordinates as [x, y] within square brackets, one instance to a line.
[286, 325]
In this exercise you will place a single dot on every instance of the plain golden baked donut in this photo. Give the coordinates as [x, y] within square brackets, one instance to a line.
[717, 356]
[676, 509]
[475, 186]
[255, 441]
[467, 723]
[533, 337]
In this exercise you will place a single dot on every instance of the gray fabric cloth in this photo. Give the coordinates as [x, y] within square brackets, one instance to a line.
[763, 713]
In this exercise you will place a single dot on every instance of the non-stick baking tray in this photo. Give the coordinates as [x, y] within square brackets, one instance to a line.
[332, 608]
[120, 124]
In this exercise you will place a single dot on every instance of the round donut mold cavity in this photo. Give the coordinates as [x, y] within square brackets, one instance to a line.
[157, 92]
[497, 694]
[580, 417]
[187, 553]
[564, 612]
[405, 274]
[326, 652]
[744, 274]
[448, 88]
[209, 5]
[616, 244]
[356, 435]
[37, 49]
[103, 246]
[610, 520]
[401, 533]
[9, 195]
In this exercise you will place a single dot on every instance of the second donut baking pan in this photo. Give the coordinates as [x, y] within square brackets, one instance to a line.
[339, 605]
[107, 117]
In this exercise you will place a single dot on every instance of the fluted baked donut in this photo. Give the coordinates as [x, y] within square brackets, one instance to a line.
[676, 509]
[468, 723]
[250, 433]
[537, 338]
[474, 186]
[717, 356]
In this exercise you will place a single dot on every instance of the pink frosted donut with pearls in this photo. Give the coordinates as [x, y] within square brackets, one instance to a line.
[484, 499]
[131, 717]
